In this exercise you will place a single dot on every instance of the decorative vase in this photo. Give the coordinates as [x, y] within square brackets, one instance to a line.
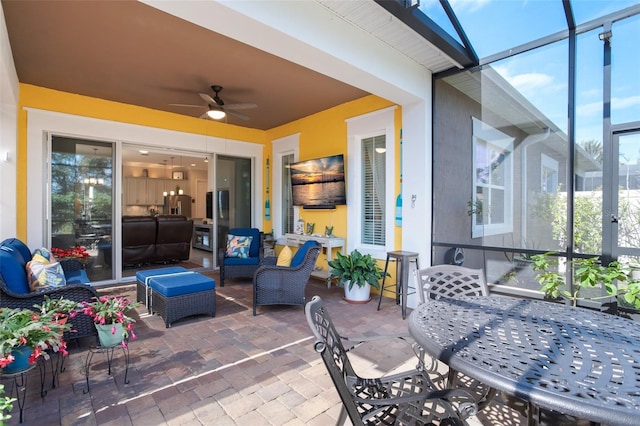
[21, 360]
[357, 294]
[105, 335]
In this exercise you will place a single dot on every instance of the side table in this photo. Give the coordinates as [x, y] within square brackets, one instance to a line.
[109, 353]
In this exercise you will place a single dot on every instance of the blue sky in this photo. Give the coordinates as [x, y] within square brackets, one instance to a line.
[494, 26]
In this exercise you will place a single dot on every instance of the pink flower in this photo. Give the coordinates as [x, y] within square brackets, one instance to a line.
[6, 360]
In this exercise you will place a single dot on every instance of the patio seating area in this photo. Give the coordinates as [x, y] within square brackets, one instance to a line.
[231, 369]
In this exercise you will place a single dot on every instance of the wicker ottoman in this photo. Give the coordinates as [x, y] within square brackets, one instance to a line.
[178, 296]
[143, 293]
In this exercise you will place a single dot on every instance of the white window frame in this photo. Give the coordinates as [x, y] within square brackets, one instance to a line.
[548, 163]
[484, 134]
[281, 148]
[381, 122]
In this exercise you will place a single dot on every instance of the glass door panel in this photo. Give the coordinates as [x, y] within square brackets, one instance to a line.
[82, 204]
[233, 196]
[627, 217]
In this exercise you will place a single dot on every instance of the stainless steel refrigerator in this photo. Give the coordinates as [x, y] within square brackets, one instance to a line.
[177, 204]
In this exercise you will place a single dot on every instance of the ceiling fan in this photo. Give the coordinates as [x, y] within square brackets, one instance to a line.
[218, 109]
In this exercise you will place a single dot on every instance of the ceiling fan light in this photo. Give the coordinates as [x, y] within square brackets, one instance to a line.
[216, 113]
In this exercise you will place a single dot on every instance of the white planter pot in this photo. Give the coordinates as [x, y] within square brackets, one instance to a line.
[357, 294]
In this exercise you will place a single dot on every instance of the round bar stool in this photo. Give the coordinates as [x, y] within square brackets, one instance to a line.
[403, 261]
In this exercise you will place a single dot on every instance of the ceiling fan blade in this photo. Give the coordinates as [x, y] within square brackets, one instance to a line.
[188, 106]
[238, 115]
[208, 99]
[243, 105]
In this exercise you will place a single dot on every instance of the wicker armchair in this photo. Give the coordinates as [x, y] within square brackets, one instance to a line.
[408, 398]
[14, 255]
[83, 324]
[285, 285]
[233, 267]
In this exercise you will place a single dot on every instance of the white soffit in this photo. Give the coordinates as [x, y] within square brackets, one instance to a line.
[341, 39]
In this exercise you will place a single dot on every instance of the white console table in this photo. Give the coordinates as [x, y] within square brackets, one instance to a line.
[328, 243]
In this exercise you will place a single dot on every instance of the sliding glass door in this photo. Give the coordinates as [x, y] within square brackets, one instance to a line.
[81, 216]
[233, 195]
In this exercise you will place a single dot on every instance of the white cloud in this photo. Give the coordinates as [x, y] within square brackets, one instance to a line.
[529, 84]
[595, 108]
[592, 108]
[623, 103]
[462, 6]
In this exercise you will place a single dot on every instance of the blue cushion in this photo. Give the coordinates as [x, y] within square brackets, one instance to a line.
[21, 251]
[13, 271]
[254, 249]
[182, 284]
[298, 258]
[241, 261]
[141, 276]
[79, 276]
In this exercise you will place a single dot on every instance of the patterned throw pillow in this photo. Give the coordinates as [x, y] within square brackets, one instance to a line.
[43, 274]
[238, 246]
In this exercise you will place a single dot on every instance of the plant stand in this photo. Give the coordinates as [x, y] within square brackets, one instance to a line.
[57, 366]
[109, 353]
[19, 383]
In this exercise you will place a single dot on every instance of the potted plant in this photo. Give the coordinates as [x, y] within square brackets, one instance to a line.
[60, 309]
[109, 317]
[25, 336]
[357, 273]
[588, 275]
[71, 259]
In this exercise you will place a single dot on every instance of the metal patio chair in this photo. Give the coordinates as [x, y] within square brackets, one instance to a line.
[408, 398]
[453, 281]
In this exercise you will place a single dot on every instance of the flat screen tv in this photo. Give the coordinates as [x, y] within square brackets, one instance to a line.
[319, 183]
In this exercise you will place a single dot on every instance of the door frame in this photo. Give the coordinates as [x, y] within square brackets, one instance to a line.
[610, 219]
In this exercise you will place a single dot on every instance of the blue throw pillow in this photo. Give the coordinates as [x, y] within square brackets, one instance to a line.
[298, 258]
[13, 272]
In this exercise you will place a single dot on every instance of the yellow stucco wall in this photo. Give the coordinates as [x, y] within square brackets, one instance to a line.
[64, 102]
[321, 134]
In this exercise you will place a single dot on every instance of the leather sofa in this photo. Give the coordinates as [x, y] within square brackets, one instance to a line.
[147, 239]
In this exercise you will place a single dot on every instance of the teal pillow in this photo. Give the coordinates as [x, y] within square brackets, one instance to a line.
[238, 246]
[44, 252]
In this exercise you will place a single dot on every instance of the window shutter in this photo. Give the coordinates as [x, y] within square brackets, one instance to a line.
[373, 190]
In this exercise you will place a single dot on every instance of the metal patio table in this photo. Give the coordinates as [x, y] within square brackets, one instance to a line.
[575, 361]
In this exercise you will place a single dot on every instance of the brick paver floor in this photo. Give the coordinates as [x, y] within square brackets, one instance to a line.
[234, 369]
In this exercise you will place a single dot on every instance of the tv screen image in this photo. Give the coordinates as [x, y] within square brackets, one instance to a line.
[319, 183]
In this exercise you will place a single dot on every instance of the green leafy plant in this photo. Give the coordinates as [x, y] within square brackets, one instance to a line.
[111, 310]
[58, 307]
[6, 405]
[588, 274]
[356, 268]
[23, 327]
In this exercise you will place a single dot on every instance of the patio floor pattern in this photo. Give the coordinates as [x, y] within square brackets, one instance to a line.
[234, 369]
